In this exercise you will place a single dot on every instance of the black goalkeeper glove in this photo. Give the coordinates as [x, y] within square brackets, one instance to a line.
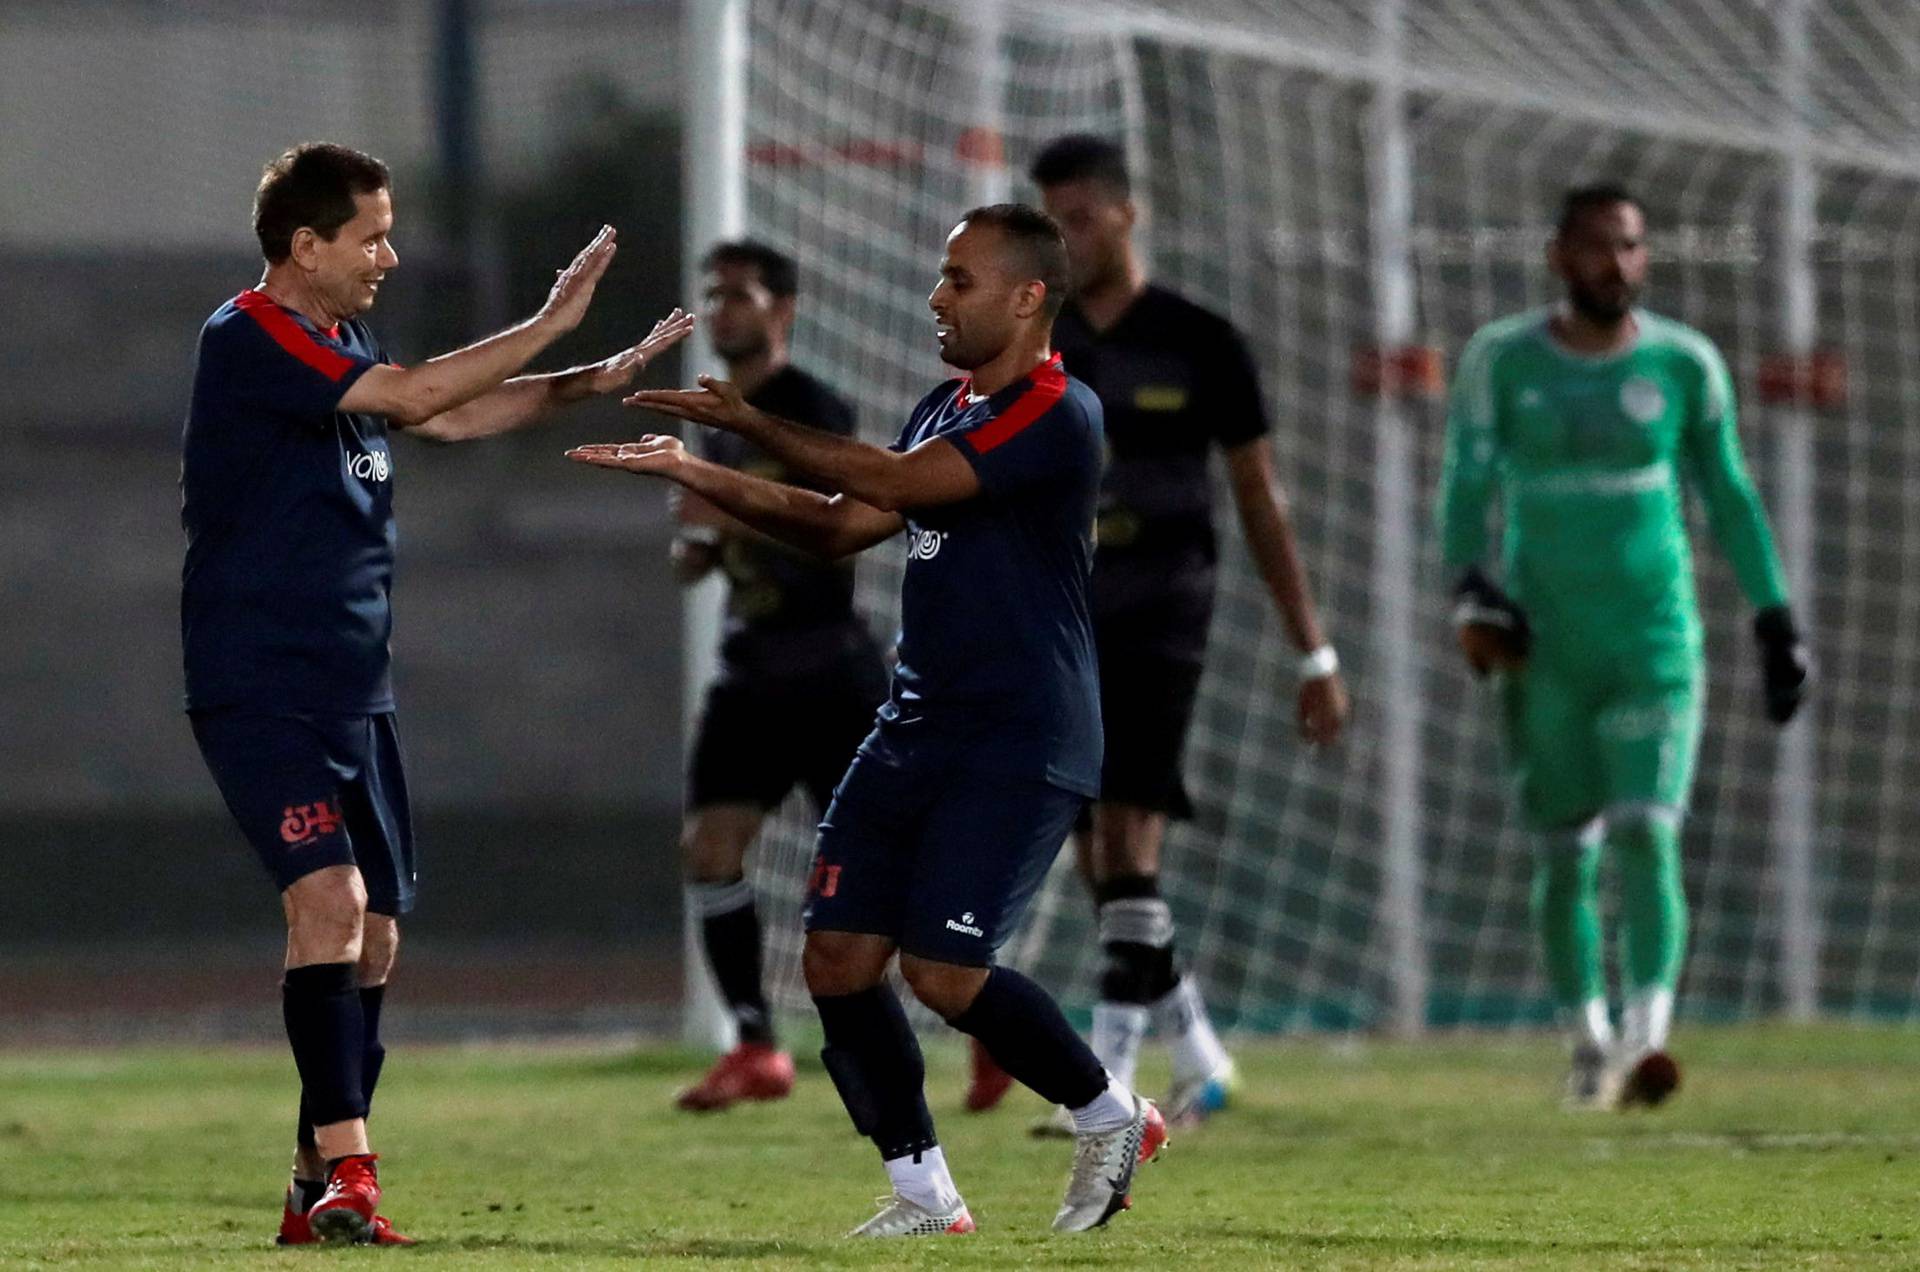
[1785, 665]
[1492, 629]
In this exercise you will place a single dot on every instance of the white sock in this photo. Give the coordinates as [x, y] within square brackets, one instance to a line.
[1646, 1020]
[922, 1179]
[1589, 1026]
[1181, 1017]
[1108, 1111]
[1118, 1029]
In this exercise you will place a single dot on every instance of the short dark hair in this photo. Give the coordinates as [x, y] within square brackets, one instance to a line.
[1032, 234]
[1080, 157]
[779, 273]
[312, 185]
[1580, 200]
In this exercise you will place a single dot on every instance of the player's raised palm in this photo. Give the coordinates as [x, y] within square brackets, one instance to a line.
[654, 455]
[573, 289]
[715, 403]
[610, 375]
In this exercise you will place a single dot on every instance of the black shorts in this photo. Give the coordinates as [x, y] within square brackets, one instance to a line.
[1146, 705]
[940, 860]
[756, 742]
[312, 791]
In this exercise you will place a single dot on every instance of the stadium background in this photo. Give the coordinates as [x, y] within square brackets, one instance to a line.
[1344, 178]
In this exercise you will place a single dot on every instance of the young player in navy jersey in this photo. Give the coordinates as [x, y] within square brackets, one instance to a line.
[800, 675]
[1176, 382]
[989, 743]
[287, 500]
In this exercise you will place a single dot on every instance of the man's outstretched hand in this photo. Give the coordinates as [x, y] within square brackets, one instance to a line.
[610, 375]
[654, 455]
[715, 403]
[573, 289]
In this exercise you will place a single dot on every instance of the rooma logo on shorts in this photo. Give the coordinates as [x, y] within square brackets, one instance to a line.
[964, 924]
[925, 544]
[371, 466]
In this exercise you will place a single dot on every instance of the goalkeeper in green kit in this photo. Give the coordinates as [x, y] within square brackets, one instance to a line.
[1588, 418]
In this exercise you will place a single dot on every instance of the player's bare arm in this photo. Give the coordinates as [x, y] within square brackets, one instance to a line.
[928, 475]
[1322, 703]
[411, 396]
[830, 526]
[528, 399]
[695, 552]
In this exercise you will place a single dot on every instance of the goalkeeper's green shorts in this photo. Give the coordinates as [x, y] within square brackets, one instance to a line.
[1581, 744]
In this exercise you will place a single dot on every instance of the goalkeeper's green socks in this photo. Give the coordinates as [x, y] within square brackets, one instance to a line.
[1566, 913]
[1653, 907]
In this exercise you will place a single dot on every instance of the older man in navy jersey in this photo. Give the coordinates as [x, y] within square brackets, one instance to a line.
[988, 746]
[287, 500]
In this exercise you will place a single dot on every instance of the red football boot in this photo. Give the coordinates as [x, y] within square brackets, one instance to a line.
[751, 1071]
[345, 1212]
[383, 1234]
[1650, 1081]
[987, 1081]
[295, 1230]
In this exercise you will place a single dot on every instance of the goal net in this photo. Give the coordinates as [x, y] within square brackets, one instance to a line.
[1343, 179]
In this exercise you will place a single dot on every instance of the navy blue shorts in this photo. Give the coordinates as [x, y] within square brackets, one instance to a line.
[942, 862]
[312, 791]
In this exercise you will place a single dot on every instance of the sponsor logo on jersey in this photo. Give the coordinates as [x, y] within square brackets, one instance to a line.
[371, 466]
[1642, 399]
[924, 545]
[304, 824]
[1160, 397]
[964, 924]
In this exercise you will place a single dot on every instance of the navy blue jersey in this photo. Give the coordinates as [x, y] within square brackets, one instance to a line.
[288, 508]
[996, 646]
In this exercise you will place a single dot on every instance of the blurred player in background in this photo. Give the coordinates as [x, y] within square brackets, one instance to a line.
[1589, 419]
[1176, 381]
[287, 501]
[989, 744]
[800, 676]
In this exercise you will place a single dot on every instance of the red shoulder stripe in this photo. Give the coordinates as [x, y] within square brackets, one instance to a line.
[291, 336]
[1049, 386]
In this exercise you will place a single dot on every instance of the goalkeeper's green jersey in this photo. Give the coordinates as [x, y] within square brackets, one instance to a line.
[1589, 456]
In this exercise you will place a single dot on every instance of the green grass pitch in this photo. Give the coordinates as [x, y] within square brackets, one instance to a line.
[1787, 1148]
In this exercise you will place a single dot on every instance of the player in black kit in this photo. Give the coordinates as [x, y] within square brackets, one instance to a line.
[800, 675]
[1176, 381]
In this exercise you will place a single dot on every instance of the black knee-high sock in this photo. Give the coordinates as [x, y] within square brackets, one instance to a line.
[374, 1054]
[1136, 931]
[1022, 1028]
[326, 1028]
[373, 1057]
[875, 1063]
[730, 929]
[306, 1191]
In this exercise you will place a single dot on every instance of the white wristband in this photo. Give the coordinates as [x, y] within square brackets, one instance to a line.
[703, 536]
[1319, 664]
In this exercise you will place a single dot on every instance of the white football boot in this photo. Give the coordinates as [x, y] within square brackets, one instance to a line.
[1101, 1184]
[899, 1217]
[1195, 1099]
[1593, 1080]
